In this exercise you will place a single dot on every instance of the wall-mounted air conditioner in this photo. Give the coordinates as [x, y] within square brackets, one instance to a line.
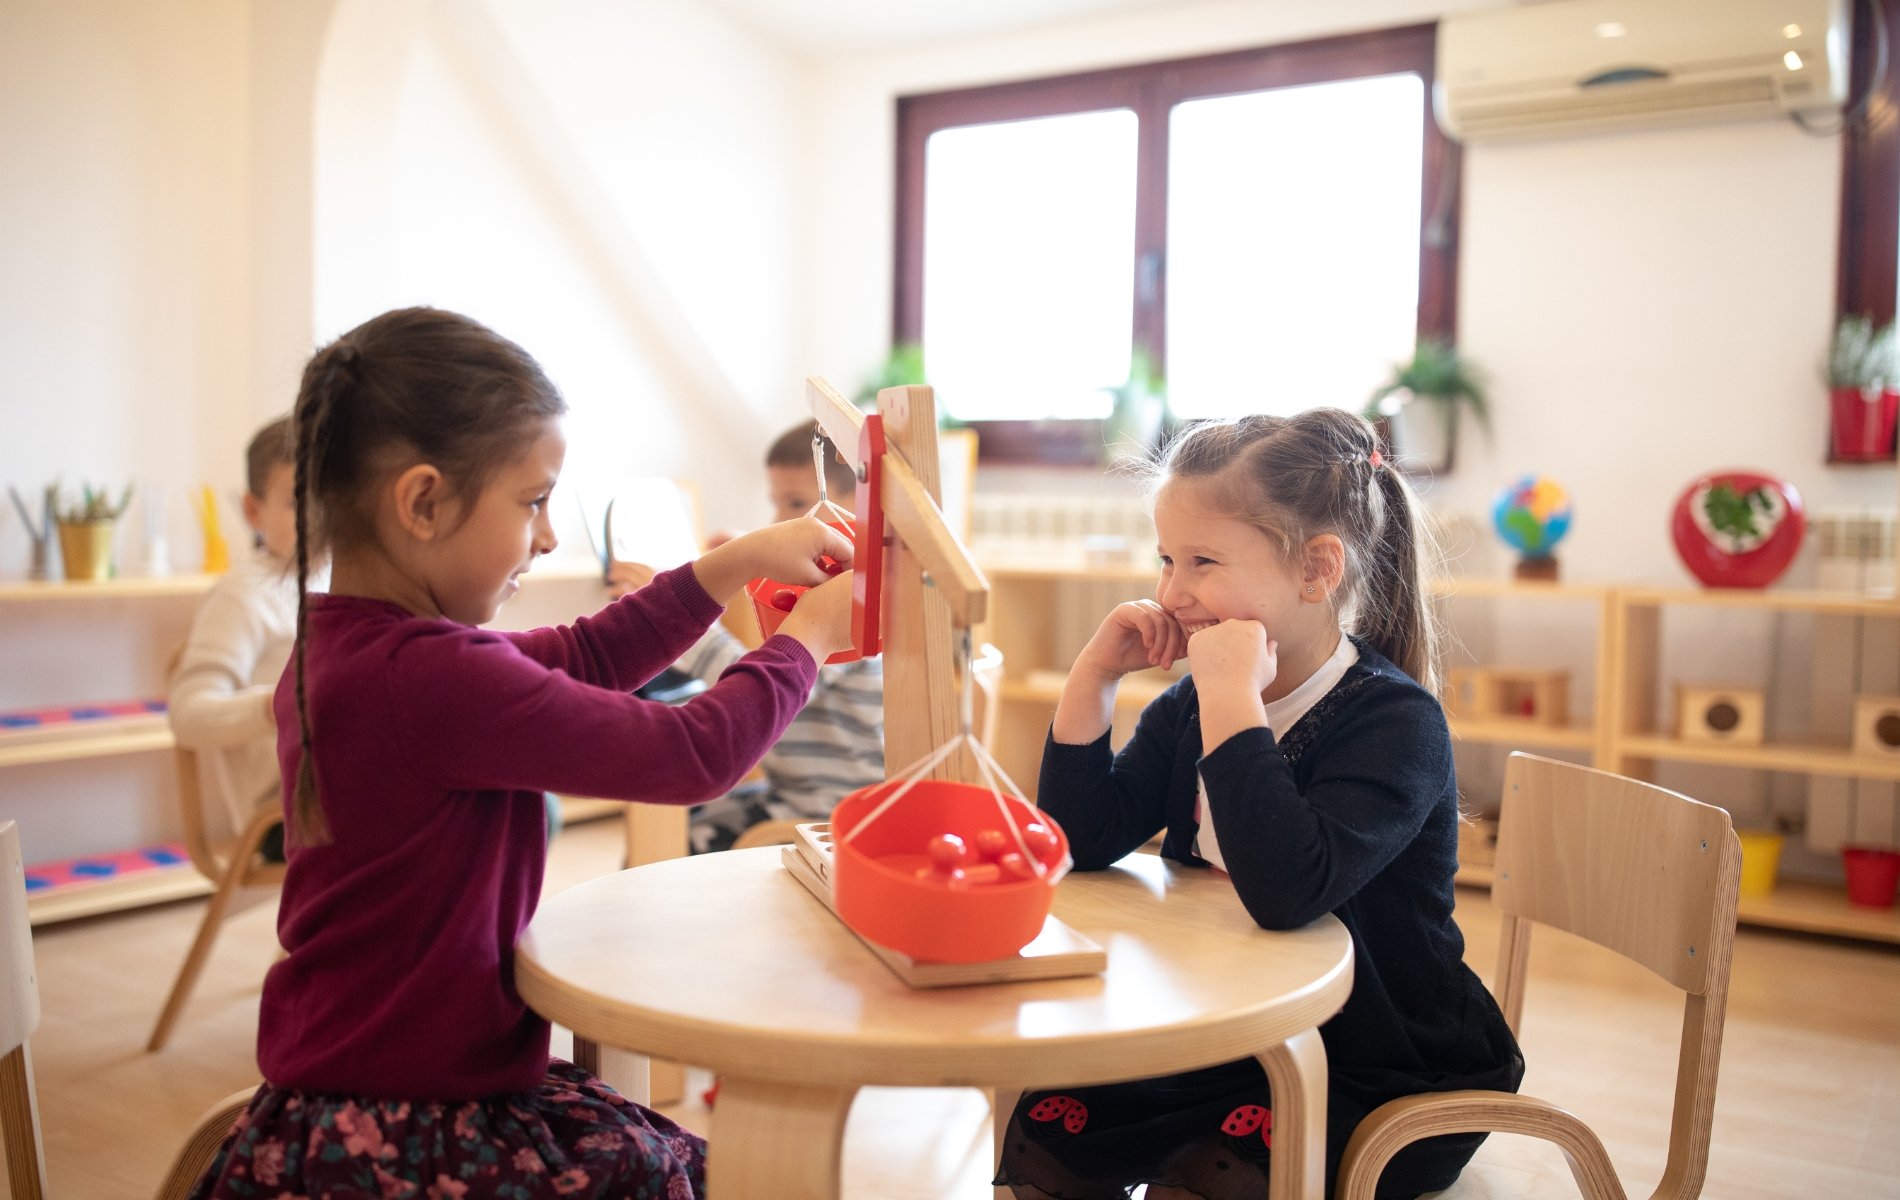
[1592, 64]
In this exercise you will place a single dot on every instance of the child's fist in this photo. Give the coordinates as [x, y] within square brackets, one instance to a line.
[1133, 637]
[821, 619]
[796, 551]
[624, 577]
[1233, 655]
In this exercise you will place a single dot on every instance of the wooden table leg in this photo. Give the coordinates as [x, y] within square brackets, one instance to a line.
[784, 1140]
[1296, 1072]
[1003, 1102]
[586, 1055]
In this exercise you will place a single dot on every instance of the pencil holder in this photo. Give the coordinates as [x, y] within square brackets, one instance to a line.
[943, 871]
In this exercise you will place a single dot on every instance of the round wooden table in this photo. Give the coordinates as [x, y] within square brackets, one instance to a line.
[727, 962]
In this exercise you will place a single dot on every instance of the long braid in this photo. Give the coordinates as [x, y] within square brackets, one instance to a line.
[313, 419]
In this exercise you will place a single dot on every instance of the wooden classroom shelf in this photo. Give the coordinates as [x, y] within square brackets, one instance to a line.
[1819, 908]
[182, 882]
[1506, 731]
[75, 740]
[124, 588]
[1806, 758]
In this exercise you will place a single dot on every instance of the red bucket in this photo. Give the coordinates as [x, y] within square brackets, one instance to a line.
[1873, 876]
[929, 878]
[773, 602]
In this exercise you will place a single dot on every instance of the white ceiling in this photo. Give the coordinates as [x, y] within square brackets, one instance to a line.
[822, 28]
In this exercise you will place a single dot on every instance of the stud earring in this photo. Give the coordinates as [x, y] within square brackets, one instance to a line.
[1309, 587]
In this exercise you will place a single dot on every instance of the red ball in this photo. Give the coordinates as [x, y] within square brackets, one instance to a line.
[1040, 839]
[785, 599]
[947, 852]
[991, 844]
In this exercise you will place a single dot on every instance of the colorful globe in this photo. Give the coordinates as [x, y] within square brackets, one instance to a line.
[1532, 515]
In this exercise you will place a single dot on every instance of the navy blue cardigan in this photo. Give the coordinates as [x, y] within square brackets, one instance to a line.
[1353, 812]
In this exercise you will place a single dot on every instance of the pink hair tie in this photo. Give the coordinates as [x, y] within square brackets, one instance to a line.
[1377, 460]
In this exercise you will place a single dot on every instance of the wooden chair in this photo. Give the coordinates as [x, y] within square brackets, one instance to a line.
[1635, 868]
[20, 1016]
[233, 867]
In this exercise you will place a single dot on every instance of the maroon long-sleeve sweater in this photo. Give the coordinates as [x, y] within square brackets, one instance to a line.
[434, 742]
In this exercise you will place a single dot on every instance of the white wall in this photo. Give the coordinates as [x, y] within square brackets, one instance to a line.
[1649, 305]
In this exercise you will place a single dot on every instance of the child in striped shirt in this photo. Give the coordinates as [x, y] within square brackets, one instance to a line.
[836, 743]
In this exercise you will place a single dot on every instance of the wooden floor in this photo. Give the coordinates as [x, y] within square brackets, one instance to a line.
[1809, 1103]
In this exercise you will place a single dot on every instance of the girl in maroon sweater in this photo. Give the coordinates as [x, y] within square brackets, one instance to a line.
[398, 1058]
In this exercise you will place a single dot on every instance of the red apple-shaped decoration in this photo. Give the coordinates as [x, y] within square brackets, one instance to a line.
[1738, 529]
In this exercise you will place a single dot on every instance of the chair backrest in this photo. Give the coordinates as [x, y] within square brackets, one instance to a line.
[19, 1017]
[1637, 869]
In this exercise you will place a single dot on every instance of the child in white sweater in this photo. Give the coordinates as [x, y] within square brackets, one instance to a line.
[221, 689]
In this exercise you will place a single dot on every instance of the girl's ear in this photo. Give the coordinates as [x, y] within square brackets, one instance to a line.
[253, 512]
[422, 502]
[1324, 558]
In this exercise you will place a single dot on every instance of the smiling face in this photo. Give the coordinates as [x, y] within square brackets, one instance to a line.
[1217, 568]
[476, 566]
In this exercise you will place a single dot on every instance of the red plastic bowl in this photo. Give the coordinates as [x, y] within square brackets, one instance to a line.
[762, 592]
[878, 892]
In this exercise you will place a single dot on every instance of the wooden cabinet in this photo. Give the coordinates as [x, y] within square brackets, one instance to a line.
[148, 618]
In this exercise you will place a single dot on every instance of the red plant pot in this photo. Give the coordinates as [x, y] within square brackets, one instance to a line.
[1873, 876]
[1863, 428]
[1716, 566]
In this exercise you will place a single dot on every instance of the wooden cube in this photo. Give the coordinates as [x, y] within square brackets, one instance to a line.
[1877, 725]
[1541, 697]
[1507, 693]
[1714, 713]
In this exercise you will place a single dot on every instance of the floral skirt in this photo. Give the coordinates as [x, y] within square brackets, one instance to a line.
[573, 1136]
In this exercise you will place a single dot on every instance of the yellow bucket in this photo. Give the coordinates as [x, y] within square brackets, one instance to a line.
[1761, 854]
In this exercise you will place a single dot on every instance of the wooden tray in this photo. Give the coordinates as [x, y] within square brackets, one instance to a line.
[1057, 952]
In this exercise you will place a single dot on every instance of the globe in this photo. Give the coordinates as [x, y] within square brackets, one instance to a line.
[1532, 515]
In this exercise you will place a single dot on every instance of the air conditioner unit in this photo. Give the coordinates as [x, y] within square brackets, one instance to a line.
[1593, 64]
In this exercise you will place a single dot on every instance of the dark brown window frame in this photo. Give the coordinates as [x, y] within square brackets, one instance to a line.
[1151, 90]
[1870, 174]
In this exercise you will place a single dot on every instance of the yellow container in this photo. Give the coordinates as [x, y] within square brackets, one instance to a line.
[1761, 855]
[86, 549]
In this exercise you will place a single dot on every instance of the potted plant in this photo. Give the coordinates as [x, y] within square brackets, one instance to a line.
[1139, 414]
[85, 531]
[1861, 379]
[1422, 404]
[903, 367]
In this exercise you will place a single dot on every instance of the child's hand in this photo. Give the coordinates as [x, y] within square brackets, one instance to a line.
[1133, 637]
[821, 620]
[790, 552]
[624, 577]
[1233, 656]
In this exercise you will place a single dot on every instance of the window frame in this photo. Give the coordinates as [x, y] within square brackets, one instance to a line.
[1152, 90]
[1870, 175]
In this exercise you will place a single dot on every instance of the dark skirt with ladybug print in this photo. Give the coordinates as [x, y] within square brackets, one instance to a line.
[1207, 1132]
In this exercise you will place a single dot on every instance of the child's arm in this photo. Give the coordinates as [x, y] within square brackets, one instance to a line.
[1111, 803]
[212, 700]
[487, 717]
[1294, 856]
[632, 639]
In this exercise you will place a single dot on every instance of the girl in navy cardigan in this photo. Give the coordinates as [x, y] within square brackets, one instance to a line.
[398, 1058]
[1306, 757]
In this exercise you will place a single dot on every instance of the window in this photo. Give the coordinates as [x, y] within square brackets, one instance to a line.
[1272, 228]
